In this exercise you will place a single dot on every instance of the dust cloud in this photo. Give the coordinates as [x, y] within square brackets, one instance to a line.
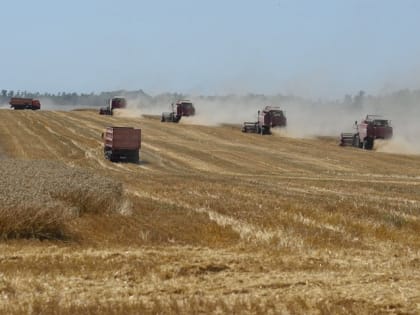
[128, 112]
[396, 145]
[210, 111]
[49, 104]
[330, 119]
[4, 106]
[307, 118]
[224, 110]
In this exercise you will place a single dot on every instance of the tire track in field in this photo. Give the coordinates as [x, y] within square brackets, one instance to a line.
[180, 148]
[36, 137]
[90, 151]
[45, 121]
[219, 148]
[152, 155]
[84, 126]
[211, 140]
[248, 232]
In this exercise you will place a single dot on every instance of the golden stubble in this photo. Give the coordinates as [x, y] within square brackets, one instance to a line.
[215, 221]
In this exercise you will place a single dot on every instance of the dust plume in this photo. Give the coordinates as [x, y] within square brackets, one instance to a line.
[139, 104]
[224, 110]
[127, 112]
[4, 106]
[305, 118]
[49, 104]
[397, 144]
[406, 129]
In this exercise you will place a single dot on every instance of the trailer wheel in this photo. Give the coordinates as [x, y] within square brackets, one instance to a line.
[107, 154]
[135, 158]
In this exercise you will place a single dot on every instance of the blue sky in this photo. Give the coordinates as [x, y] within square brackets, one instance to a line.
[313, 48]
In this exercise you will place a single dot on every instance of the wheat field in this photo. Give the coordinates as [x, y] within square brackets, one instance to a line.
[211, 221]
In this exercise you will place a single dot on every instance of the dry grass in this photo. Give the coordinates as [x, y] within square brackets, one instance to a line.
[39, 197]
[221, 222]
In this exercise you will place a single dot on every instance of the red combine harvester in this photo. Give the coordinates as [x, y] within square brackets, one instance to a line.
[269, 117]
[24, 103]
[122, 144]
[179, 109]
[113, 103]
[371, 128]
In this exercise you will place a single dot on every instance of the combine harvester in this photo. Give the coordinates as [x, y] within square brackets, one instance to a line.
[371, 128]
[122, 144]
[113, 103]
[179, 109]
[24, 103]
[269, 117]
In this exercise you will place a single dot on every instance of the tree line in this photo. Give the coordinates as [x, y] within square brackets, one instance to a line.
[403, 97]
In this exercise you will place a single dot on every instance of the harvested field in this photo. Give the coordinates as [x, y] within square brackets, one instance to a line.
[219, 222]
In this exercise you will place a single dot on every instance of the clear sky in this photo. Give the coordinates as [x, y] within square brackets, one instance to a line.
[315, 48]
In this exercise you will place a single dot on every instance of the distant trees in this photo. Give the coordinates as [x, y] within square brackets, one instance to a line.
[357, 101]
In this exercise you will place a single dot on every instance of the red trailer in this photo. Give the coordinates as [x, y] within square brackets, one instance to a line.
[122, 144]
[24, 103]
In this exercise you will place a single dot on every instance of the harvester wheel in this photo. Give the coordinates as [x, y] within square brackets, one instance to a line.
[356, 141]
[367, 144]
[265, 131]
[370, 143]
